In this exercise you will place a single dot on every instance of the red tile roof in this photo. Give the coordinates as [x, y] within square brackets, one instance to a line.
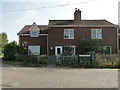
[44, 28]
[25, 30]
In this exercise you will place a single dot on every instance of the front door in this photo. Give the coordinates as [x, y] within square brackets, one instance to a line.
[58, 50]
[108, 50]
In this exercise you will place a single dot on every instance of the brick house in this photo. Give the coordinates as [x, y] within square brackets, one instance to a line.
[50, 39]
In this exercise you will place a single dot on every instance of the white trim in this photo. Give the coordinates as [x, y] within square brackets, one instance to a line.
[29, 34]
[85, 55]
[34, 46]
[33, 26]
[56, 49]
[82, 25]
[74, 49]
[96, 29]
[33, 36]
[69, 33]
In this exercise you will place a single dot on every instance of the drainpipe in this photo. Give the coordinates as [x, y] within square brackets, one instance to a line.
[117, 27]
[47, 45]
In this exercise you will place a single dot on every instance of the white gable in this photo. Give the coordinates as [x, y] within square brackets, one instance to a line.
[34, 28]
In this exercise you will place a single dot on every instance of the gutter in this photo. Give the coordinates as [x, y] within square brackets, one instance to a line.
[81, 25]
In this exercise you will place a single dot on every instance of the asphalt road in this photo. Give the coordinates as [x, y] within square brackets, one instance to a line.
[16, 77]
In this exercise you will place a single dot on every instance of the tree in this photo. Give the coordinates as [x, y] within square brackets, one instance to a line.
[4, 40]
[10, 50]
[87, 45]
[0, 43]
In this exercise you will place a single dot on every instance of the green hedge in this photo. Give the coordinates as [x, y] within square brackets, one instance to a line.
[32, 60]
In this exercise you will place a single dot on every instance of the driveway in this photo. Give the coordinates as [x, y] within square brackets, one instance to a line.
[19, 77]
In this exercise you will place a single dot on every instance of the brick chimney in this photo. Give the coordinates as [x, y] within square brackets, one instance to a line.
[77, 15]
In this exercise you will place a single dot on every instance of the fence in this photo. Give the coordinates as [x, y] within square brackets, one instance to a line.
[99, 61]
[80, 60]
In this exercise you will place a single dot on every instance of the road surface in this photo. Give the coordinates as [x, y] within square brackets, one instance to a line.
[16, 77]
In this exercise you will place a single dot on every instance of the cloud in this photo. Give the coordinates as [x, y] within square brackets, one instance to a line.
[27, 16]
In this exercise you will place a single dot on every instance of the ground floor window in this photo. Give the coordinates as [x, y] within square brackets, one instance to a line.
[107, 50]
[70, 50]
[35, 50]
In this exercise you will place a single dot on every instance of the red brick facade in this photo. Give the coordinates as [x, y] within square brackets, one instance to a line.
[56, 37]
[35, 41]
[52, 35]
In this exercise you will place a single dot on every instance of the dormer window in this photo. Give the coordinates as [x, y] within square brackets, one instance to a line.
[34, 34]
[34, 30]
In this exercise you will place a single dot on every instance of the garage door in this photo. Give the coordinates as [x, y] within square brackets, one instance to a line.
[35, 50]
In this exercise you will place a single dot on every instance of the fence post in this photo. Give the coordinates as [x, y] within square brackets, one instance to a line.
[78, 59]
[91, 60]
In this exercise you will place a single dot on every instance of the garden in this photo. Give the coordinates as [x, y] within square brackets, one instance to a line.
[91, 57]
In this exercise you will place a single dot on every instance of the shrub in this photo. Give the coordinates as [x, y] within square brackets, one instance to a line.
[32, 60]
[59, 63]
[87, 45]
[10, 50]
[42, 59]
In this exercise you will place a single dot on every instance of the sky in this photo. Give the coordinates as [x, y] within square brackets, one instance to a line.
[15, 15]
[119, 13]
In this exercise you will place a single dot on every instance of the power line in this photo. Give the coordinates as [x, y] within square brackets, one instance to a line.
[68, 4]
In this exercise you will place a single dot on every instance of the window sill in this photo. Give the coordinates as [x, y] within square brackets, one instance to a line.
[33, 36]
[68, 38]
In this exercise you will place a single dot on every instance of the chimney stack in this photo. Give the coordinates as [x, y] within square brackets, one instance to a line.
[77, 15]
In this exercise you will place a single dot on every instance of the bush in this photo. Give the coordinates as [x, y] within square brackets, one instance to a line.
[42, 59]
[32, 60]
[10, 50]
[59, 63]
[87, 45]
[107, 61]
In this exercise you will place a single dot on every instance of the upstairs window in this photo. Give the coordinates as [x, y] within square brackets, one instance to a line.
[96, 33]
[68, 33]
[34, 34]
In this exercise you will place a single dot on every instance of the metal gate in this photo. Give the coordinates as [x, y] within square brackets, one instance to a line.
[51, 60]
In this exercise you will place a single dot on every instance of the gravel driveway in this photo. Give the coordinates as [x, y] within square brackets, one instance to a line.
[16, 77]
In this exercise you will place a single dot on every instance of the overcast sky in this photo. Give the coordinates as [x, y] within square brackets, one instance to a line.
[15, 15]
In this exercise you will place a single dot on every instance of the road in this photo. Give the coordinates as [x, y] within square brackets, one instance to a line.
[23, 77]
[19, 77]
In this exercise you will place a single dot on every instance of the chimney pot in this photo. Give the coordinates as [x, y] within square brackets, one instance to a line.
[75, 9]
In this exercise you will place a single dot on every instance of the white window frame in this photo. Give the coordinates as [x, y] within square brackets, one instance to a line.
[56, 49]
[74, 49]
[96, 33]
[69, 33]
[33, 46]
[32, 35]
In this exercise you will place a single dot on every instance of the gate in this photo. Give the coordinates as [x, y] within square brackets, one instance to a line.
[51, 60]
[69, 60]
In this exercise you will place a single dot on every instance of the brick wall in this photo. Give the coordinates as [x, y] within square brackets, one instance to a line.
[41, 41]
[56, 37]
